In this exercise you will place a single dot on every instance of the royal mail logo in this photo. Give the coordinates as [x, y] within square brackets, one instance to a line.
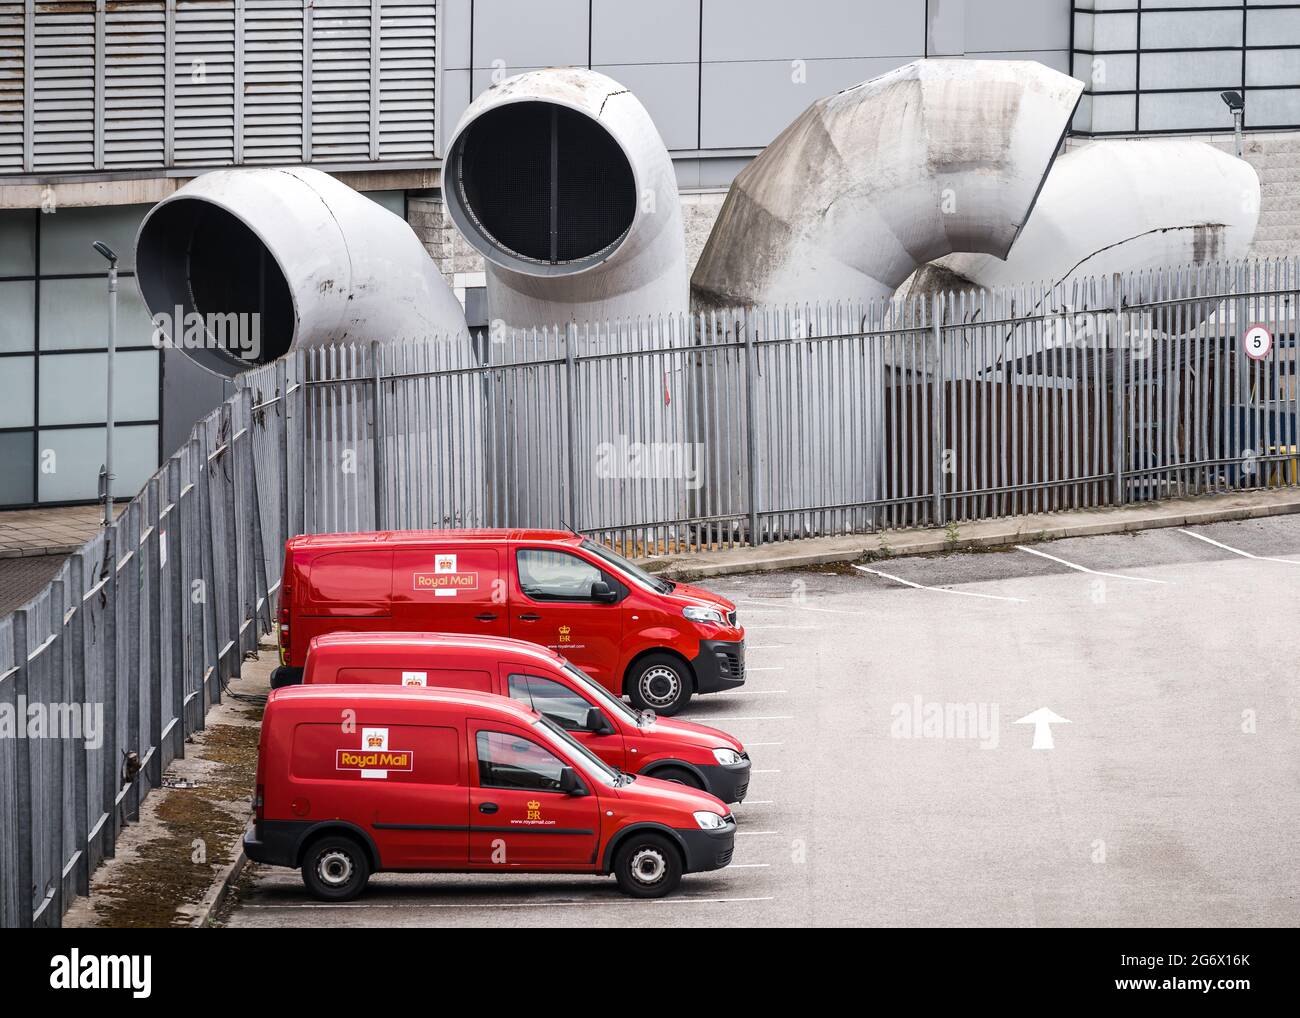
[564, 634]
[382, 760]
[449, 582]
[374, 759]
[415, 678]
[445, 563]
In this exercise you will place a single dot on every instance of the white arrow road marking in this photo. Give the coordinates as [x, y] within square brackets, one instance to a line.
[1237, 551]
[1085, 569]
[1042, 720]
[937, 590]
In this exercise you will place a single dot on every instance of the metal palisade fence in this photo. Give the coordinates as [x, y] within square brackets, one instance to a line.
[659, 437]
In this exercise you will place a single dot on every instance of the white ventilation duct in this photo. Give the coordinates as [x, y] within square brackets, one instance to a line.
[560, 179]
[315, 260]
[935, 157]
[1127, 205]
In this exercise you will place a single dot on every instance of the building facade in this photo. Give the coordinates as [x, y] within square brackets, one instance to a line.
[107, 107]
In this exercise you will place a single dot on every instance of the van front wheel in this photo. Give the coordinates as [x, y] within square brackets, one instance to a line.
[335, 868]
[647, 866]
[661, 683]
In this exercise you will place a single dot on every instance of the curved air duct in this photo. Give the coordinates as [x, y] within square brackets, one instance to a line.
[560, 179]
[1122, 206]
[318, 262]
[935, 157]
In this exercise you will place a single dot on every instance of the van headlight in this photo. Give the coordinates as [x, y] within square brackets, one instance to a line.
[709, 821]
[711, 616]
[727, 756]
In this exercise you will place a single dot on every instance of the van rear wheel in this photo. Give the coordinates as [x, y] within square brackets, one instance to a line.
[335, 868]
[661, 683]
[647, 866]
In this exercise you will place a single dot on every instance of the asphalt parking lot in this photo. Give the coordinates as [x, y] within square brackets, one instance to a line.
[894, 782]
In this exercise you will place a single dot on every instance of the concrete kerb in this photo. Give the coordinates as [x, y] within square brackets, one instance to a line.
[985, 534]
[205, 910]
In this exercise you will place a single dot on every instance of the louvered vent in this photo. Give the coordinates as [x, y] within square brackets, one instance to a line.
[340, 82]
[407, 73]
[204, 74]
[11, 87]
[63, 92]
[135, 90]
[273, 82]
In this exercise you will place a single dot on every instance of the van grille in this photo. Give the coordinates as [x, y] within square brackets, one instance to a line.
[733, 664]
[741, 791]
[724, 857]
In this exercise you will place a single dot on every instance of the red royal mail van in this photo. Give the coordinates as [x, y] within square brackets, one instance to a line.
[657, 641]
[352, 780]
[629, 740]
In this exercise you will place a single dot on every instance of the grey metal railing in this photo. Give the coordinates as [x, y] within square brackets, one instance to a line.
[659, 437]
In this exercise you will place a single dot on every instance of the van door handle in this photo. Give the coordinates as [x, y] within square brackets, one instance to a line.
[529, 617]
[486, 617]
[487, 807]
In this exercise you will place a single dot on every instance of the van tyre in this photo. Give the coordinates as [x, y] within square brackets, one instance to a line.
[661, 683]
[335, 868]
[647, 866]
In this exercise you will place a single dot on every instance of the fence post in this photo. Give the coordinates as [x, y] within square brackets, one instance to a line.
[153, 566]
[751, 434]
[80, 777]
[571, 420]
[177, 618]
[56, 656]
[108, 832]
[377, 462]
[282, 386]
[937, 414]
[1119, 420]
[23, 790]
[229, 641]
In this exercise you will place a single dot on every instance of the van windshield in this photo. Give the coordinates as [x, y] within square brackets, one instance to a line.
[600, 694]
[592, 764]
[624, 566]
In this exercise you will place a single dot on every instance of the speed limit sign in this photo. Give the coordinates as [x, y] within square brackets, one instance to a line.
[1258, 342]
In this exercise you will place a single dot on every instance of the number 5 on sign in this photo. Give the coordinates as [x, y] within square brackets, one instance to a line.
[1258, 342]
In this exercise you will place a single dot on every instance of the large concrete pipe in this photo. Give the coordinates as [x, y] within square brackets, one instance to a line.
[1124, 206]
[866, 185]
[934, 157]
[319, 263]
[316, 261]
[561, 180]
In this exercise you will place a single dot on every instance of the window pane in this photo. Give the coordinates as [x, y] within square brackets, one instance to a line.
[17, 316]
[69, 461]
[556, 575]
[18, 243]
[559, 703]
[72, 387]
[17, 388]
[74, 314]
[16, 468]
[66, 237]
[511, 761]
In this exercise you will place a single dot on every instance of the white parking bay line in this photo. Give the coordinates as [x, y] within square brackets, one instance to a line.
[802, 607]
[937, 590]
[767, 668]
[747, 692]
[769, 646]
[504, 904]
[1085, 569]
[1237, 551]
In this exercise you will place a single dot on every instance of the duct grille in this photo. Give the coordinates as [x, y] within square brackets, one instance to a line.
[545, 183]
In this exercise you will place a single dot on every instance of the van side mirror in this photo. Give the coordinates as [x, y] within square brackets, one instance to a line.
[596, 722]
[603, 593]
[569, 783]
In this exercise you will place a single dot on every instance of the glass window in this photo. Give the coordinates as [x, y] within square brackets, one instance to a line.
[546, 696]
[72, 387]
[16, 473]
[630, 568]
[18, 317]
[18, 243]
[74, 314]
[511, 761]
[68, 461]
[556, 575]
[66, 237]
[17, 392]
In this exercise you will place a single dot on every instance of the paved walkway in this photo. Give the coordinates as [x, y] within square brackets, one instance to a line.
[55, 531]
[1011, 530]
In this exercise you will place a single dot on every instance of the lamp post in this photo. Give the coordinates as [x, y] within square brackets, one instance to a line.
[106, 471]
[1237, 105]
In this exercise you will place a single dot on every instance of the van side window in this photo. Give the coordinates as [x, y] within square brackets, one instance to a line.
[547, 575]
[511, 761]
[546, 696]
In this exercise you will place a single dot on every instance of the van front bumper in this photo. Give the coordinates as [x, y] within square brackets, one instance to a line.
[708, 850]
[729, 782]
[719, 665]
